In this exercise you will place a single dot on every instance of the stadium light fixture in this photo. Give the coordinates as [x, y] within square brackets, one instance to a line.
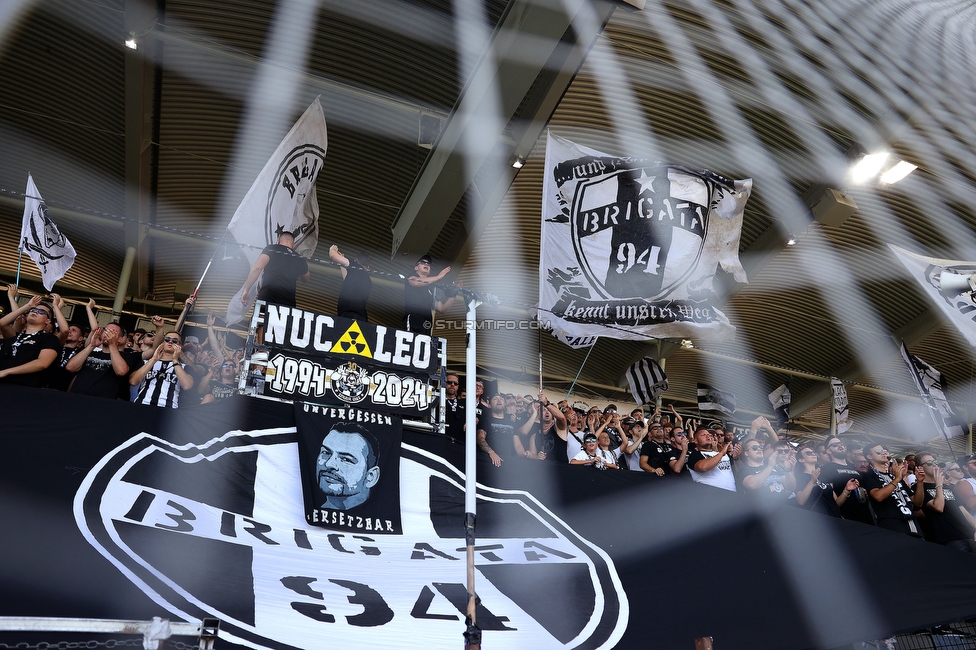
[902, 169]
[131, 42]
[868, 167]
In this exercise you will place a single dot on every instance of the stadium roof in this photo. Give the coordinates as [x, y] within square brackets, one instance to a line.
[154, 147]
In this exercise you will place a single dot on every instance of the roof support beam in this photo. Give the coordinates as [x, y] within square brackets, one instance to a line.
[535, 57]
[139, 93]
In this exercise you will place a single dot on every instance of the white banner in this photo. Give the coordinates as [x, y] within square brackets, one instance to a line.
[282, 197]
[630, 247]
[42, 241]
[960, 308]
[842, 414]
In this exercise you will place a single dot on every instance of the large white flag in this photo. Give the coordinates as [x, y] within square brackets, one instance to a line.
[960, 308]
[41, 239]
[630, 247]
[282, 197]
[932, 387]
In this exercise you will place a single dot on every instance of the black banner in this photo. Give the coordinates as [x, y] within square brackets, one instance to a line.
[118, 511]
[313, 333]
[334, 380]
[350, 462]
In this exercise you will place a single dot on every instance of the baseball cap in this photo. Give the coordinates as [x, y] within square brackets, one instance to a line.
[425, 258]
[589, 438]
[191, 339]
[629, 420]
[638, 423]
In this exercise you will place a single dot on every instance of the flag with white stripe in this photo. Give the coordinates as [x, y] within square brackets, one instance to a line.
[647, 380]
[42, 241]
[713, 399]
[932, 387]
[842, 414]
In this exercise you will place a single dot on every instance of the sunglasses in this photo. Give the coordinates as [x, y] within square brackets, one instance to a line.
[35, 310]
[171, 339]
[228, 365]
[930, 463]
[451, 383]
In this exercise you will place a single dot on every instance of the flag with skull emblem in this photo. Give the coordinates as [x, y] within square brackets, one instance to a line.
[41, 239]
[631, 247]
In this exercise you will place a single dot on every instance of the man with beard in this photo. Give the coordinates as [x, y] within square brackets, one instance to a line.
[347, 466]
[496, 433]
[888, 494]
[836, 472]
[709, 464]
[453, 408]
[769, 475]
[555, 431]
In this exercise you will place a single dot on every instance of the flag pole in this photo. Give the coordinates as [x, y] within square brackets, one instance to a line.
[570, 391]
[20, 256]
[179, 323]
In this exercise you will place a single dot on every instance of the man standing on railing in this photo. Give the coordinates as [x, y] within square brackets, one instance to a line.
[282, 267]
[418, 297]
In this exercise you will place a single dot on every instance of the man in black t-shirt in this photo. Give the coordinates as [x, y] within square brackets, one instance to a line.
[836, 473]
[103, 366]
[418, 299]
[282, 268]
[26, 355]
[656, 452]
[356, 284]
[944, 522]
[888, 494]
[454, 411]
[496, 432]
[768, 475]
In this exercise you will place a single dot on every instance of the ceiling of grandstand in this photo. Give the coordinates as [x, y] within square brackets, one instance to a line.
[153, 148]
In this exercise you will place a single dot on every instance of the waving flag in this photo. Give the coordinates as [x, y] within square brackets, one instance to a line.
[630, 247]
[42, 241]
[715, 400]
[282, 197]
[932, 388]
[647, 380]
[842, 414]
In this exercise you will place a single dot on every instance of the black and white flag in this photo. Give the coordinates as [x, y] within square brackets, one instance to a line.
[630, 247]
[282, 197]
[932, 388]
[713, 399]
[42, 241]
[842, 414]
[780, 399]
[647, 381]
[959, 308]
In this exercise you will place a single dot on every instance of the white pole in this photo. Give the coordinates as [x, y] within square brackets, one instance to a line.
[472, 635]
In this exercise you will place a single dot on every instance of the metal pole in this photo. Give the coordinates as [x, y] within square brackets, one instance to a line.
[20, 256]
[573, 385]
[130, 256]
[472, 635]
[179, 325]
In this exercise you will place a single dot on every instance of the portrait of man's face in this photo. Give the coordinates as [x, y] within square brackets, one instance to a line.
[345, 470]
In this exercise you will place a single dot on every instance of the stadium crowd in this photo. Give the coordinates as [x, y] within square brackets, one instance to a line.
[916, 495]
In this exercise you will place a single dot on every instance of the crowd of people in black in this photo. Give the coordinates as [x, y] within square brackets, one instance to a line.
[160, 367]
[916, 495]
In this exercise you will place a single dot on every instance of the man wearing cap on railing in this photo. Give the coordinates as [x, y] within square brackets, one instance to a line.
[418, 299]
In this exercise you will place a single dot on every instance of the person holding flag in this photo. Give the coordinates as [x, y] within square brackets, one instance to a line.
[26, 355]
[282, 268]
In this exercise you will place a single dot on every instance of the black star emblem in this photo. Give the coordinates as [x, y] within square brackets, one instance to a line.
[279, 230]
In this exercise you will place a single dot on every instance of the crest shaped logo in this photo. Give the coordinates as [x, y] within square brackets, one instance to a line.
[639, 233]
[292, 196]
[244, 554]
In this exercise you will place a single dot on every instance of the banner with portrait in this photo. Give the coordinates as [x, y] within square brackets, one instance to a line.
[350, 466]
[631, 247]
